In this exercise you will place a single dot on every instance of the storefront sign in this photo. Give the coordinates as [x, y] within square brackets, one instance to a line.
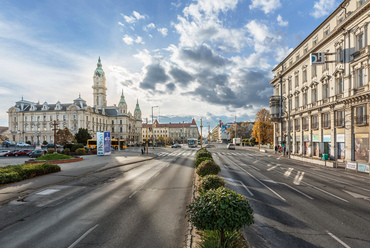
[351, 166]
[315, 138]
[340, 138]
[298, 138]
[306, 138]
[363, 168]
[326, 138]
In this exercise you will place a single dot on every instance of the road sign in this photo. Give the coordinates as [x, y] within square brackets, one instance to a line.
[317, 58]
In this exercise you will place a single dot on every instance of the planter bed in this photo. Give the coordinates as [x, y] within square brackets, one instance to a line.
[61, 161]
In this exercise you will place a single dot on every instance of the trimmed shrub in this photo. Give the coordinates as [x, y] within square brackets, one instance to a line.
[76, 146]
[200, 160]
[50, 151]
[211, 239]
[80, 151]
[203, 154]
[208, 168]
[211, 182]
[220, 209]
[67, 151]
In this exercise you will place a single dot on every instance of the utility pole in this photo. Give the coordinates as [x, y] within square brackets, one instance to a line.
[153, 126]
[147, 141]
[55, 135]
[288, 128]
[235, 127]
[209, 133]
[201, 134]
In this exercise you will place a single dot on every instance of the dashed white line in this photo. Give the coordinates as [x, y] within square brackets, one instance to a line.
[83, 236]
[337, 239]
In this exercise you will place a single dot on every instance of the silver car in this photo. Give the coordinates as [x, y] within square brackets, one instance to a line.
[2, 153]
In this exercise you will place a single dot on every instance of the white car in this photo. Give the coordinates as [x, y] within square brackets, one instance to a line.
[2, 153]
[23, 144]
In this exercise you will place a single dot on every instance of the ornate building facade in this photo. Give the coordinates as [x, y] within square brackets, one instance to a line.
[30, 121]
[170, 132]
[324, 109]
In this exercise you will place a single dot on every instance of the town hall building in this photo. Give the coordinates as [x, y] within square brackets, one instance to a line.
[30, 121]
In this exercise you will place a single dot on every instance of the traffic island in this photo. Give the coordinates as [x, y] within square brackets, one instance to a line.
[60, 161]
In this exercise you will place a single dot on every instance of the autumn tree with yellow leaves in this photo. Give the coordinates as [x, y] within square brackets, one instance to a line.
[263, 127]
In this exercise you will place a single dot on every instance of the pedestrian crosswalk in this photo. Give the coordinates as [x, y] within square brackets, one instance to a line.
[192, 153]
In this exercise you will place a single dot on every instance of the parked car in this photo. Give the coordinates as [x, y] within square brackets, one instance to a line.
[22, 144]
[10, 153]
[176, 146]
[7, 144]
[50, 146]
[231, 146]
[2, 153]
[37, 153]
[22, 153]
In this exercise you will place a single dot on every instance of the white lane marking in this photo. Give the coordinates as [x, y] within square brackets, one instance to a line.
[83, 236]
[237, 181]
[132, 194]
[270, 181]
[337, 239]
[325, 192]
[309, 197]
[48, 192]
[260, 182]
[272, 168]
[288, 172]
[298, 178]
[358, 196]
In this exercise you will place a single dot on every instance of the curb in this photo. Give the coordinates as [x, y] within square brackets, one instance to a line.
[61, 161]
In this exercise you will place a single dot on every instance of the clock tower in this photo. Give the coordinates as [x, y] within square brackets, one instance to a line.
[99, 87]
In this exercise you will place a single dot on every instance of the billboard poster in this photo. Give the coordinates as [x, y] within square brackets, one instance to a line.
[362, 147]
[363, 167]
[107, 143]
[224, 132]
[100, 143]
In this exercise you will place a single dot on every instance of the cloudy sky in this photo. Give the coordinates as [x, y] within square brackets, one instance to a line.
[209, 59]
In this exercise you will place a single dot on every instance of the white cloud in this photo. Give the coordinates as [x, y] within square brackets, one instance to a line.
[150, 25]
[323, 8]
[133, 18]
[137, 15]
[263, 38]
[121, 24]
[128, 40]
[281, 22]
[266, 5]
[139, 40]
[163, 31]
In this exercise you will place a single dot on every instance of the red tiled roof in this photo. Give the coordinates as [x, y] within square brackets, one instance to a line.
[170, 125]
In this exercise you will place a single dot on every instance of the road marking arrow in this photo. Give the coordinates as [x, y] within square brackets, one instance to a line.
[358, 196]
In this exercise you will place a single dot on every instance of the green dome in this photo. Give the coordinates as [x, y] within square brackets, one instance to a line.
[99, 70]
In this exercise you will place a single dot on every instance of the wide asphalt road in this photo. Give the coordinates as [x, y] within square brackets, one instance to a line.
[137, 205]
[298, 204]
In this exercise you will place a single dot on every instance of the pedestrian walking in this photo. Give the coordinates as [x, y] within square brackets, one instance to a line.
[284, 150]
[142, 151]
[279, 149]
[276, 148]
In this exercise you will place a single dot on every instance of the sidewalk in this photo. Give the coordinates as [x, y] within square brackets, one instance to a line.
[341, 165]
[71, 171]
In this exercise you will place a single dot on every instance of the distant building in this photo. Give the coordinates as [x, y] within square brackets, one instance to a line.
[324, 108]
[30, 121]
[221, 132]
[170, 132]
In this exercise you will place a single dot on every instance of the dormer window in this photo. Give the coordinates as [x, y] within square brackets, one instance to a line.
[33, 108]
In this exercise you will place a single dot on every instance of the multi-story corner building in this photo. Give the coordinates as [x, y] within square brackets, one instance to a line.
[30, 121]
[221, 133]
[168, 132]
[324, 109]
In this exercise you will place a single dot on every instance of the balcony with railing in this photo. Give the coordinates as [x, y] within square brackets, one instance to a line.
[275, 108]
[361, 120]
[326, 124]
[339, 122]
[315, 125]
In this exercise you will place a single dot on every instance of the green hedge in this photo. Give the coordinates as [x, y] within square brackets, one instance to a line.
[73, 147]
[16, 173]
[80, 151]
[208, 168]
[200, 160]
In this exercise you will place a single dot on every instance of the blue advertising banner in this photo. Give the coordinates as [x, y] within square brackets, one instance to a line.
[100, 143]
[107, 143]
[363, 167]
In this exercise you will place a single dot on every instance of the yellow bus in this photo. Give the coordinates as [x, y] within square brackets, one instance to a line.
[91, 143]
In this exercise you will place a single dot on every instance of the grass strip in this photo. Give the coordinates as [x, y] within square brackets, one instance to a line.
[53, 156]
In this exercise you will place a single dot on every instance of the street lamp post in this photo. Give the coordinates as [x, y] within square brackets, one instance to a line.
[201, 134]
[153, 126]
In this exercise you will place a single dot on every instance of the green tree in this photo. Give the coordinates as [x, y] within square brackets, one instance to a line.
[220, 209]
[82, 136]
[64, 136]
